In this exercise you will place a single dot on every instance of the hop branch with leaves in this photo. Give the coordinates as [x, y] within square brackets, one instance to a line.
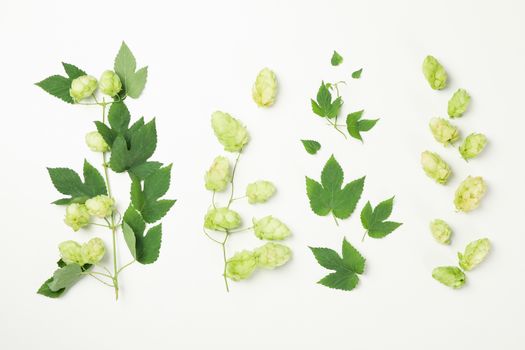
[124, 148]
[226, 222]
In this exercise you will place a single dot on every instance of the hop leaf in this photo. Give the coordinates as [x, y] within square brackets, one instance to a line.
[324, 106]
[125, 66]
[373, 220]
[328, 196]
[311, 146]
[347, 268]
[58, 85]
[145, 248]
[337, 59]
[355, 125]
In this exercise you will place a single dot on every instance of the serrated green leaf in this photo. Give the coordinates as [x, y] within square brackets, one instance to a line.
[67, 182]
[119, 117]
[337, 59]
[57, 86]
[157, 184]
[324, 107]
[343, 280]
[143, 170]
[72, 71]
[107, 134]
[357, 74]
[125, 66]
[129, 237]
[154, 211]
[329, 197]
[374, 220]
[366, 124]
[45, 291]
[327, 258]
[355, 125]
[65, 277]
[147, 247]
[311, 146]
[352, 259]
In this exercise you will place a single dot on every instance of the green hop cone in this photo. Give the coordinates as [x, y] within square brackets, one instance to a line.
[82, 87]
[472, 146]
[272, 255]
[77, 216]
[96, 142]
[259, 191]
[434, 73]
[441, 231]
[443, 131]
[229, 131]
[270, 228]
[71, 252]
[100, 206]
[93, 251]
[241, 265]
[109, 83]
[219, 174]
[222, 219]
[264, 89]
[450, 276]
[435, 167]
[474, 254]
[469, 193]
[458, 103]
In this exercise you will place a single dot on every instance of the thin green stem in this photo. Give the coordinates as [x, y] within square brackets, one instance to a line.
[335, 219]
[233, 176]
[101, 281]
[241, 230]
[225, 260]
[364, 236]
[336, 128]
[238, 198]
[213, 200]
[96, 224]
[210, 237]
[126, 265]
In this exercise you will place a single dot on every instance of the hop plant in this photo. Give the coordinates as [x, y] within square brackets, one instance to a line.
[109, 83]
[100, 206]
[469, 193]
[124, 147]
[270, 229]
[272, 255]
[95, 141]
[441, 231]
[450, 276]
[241, 265]
[472, 146]
[434, 73]
[229, 131]
[264, 89]
[474, 254]
[259, 191]
[435, 167]
[225, 221]
[82, 87]
[458, 103]
[443, 131]
[77, 216]
[219, 175]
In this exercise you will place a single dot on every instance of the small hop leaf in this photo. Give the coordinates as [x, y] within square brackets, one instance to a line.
[346, 268]
[355, 125]
[373, 220]
[311, 146]
[357, 74]
[324, 106]
[125, 67]
[337, 59]
[58, 85]
[328, 196]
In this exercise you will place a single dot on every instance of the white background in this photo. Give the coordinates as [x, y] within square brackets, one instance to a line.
[204, 56]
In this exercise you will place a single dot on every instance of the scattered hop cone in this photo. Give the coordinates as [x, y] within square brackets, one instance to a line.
[443, 131]
[82, 87]
[474, 254]
[71, 252]
[222, 219]
[230, 132]
[472, 146]
[77, 216]
[241, 265]
[270, 228]
[450, 276]
[272, 255]
[458, 103]
[264, 89]
[100, 206]
[259, 191]
[219, 174]
[469, 193]
[441, 231]
[109, 83]
[435, 167]
[434, 73]
[96, 142]
[93, 251]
